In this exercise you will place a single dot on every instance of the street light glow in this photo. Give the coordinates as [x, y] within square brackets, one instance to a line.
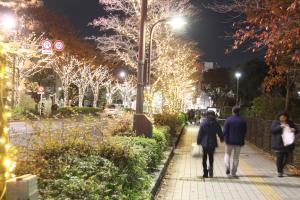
[122, 74]
[8, 22]
[177, 22]
[238, 75]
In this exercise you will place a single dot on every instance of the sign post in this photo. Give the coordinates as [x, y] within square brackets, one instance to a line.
[41, 91]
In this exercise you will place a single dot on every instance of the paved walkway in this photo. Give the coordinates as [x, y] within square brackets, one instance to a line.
[257, 177]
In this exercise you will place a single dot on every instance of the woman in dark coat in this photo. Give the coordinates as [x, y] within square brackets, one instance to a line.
[207, 138]
[282, 151]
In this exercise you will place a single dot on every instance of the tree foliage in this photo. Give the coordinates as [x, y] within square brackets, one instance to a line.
[272, 24]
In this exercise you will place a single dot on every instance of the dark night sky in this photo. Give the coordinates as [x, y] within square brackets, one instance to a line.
[208, 31]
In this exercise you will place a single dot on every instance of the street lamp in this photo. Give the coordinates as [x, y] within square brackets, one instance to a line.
[238, 75]
[122, 74]
[8, 22]
[176, 23]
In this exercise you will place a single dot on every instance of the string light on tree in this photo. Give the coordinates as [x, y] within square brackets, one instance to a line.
[6, 164]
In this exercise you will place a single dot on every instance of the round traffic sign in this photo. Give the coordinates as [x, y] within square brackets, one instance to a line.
[59, 45]
[47, 44]
[40, 89]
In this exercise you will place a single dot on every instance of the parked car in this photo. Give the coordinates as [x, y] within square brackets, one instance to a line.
[111, 110]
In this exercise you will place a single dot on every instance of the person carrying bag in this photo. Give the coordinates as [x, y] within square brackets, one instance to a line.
[283, 132]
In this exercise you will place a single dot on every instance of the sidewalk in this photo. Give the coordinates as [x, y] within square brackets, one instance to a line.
[257, 177]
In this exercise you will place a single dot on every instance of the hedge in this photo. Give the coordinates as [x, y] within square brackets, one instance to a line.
[119, 167]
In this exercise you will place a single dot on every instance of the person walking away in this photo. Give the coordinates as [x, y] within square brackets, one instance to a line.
[283, 132]
[234, 133]
[207, 138]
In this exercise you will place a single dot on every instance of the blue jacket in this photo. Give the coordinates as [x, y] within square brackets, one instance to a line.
[207, 136]
[235, 129]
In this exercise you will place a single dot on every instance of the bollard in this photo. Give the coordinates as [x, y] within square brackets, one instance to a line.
[22, 188]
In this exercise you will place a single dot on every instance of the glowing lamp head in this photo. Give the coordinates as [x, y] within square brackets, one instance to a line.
[238, 75]
[177, 22]
[122, 74]
[8, 22]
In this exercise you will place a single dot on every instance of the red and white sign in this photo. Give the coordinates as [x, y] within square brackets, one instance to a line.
[47, 47]
[59, 45]
[40, 90]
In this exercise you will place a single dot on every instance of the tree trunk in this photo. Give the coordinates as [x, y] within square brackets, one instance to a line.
[287, 96]
[80, 96]
[109, 98]
[96, 97]
[66, 96]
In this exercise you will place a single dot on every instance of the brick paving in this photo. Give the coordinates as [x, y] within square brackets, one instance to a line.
[257, 177]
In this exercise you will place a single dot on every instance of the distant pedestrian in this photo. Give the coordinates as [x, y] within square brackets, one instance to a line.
[191, 116]
[283, 132]
[234, 132]
[207, 138]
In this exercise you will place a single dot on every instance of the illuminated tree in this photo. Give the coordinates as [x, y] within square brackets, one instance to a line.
[26, 60]
[81, 80]
[127, 90]
[173, 71]
[17, 4]
[123, 44]
[66, 68]
[111, 89]
[97, 80]
[173, 67]
[7, 165]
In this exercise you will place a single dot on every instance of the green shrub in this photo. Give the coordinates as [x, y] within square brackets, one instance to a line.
[181, 118]
[27, 102]
[174, 121]
[162, 136]
[86, 110]
[132, 162]
[146, 146]
[66, 112]
[72, 111]
[267, 106]
[91, 177]
[82, 171]
[74, 171]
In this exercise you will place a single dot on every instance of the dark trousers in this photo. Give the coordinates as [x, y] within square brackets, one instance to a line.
[282, 158]
[208, 152]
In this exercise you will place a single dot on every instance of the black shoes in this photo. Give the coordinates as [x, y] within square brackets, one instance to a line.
[205, 173]
[211, 173]
[227, 171]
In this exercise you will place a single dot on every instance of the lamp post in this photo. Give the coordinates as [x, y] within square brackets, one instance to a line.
[238, 76]
[176, 23]
[141, 124]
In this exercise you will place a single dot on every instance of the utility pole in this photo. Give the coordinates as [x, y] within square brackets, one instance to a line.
[141, 124]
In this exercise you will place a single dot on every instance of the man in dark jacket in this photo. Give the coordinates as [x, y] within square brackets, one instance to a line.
[234, 132]
[208, 140]
[282, 151]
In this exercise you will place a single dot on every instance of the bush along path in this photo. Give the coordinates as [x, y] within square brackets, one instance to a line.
[116, 168]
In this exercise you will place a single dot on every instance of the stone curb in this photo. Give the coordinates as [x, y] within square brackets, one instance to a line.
[162, 169]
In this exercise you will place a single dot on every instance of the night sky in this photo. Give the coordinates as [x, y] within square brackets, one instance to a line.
[208, 31]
